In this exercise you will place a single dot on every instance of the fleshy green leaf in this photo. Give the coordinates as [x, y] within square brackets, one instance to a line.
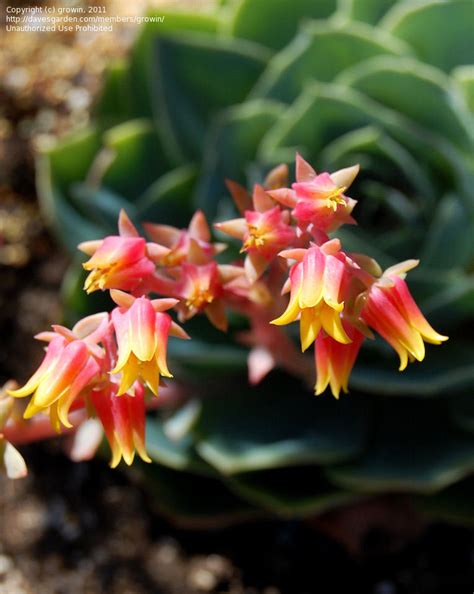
[368, 11]
[415, 447]
[451, 226]
[179, 454]
[142, 66]
[274, 431]
[137, 158]
[439, 31]
[454, 504]
[446, 296]
[299, 491]
[446, 367]
[56, 170]
[205, 359]
[392, 161]
[70, 159]
[395, 82]
[320, 52]
[115, 103]
[464, 75]
[231, 147]
[193, 501]
[357, 240]
[101, 206]
[168, 200]
[462, 411]
[196, 76]
[274, 24]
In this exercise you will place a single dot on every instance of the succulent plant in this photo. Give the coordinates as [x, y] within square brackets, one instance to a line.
[205, 97]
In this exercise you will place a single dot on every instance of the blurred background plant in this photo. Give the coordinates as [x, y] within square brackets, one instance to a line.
[228, 93]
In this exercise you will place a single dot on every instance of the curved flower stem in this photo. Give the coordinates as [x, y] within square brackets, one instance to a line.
[20, 432]
[38, 428]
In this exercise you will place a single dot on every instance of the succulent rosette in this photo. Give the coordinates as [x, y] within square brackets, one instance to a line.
[230, 94]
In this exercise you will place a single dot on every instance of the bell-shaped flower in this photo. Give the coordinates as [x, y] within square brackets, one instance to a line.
[199, 289]
[319, 200]
[389, 308]
[72, 366]
[181, 242]
[121, 261]
[334, 360]
[68, 369]
[316, 283]
[123, 419]
[263, 231]
[142, 330]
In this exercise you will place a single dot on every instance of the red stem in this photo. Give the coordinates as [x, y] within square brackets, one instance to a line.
[20, 432]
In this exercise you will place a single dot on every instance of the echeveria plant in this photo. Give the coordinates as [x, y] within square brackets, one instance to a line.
[231, 94]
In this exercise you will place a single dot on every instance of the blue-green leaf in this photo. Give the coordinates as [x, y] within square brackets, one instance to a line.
[179, 454]
[297, 491]
[368, 11]
[196, 76]
[321, 51]
[449, 367]
[169, 199]
[454, 505]
[231, 147]
[414, 447]
[142, 67]
[276, 429]
[193, 501]
[418, 91]
[274, 23]
[448, 243]
[440, 31]
[137, 158]
[464, 76]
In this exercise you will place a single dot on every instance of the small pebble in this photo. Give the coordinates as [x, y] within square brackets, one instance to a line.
[5, 564]
[202, 578]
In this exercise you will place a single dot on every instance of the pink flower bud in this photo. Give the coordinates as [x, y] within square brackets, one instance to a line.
[334, 360]
[123, 419]
[389, 308]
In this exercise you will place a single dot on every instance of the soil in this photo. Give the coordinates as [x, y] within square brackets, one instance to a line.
[85, 529]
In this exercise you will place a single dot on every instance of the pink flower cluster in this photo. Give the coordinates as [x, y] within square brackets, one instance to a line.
[110, 364]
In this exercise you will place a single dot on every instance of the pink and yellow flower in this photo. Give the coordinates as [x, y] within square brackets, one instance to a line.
[334, 360]
[316, 283]
[120, 261]
[182, 242]
[123, 419]
[200, 290]
[67, 371]
[264, 231]
[319, 200]
[389, 308]
[142, 331]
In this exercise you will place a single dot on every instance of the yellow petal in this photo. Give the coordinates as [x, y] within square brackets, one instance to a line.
[151, 375]
[290, 314]
[331, 322]
[310, 325]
